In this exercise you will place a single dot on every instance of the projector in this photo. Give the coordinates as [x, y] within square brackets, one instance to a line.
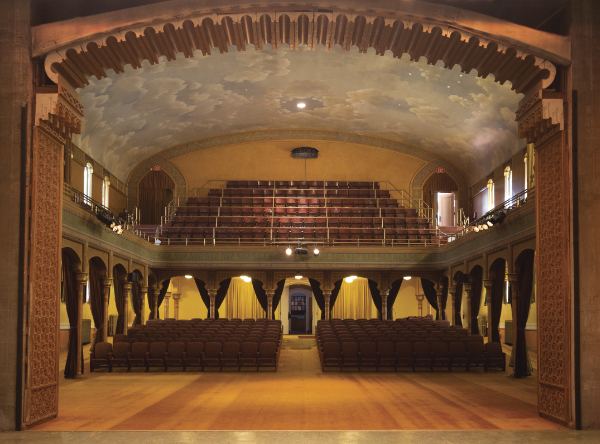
[301, 250]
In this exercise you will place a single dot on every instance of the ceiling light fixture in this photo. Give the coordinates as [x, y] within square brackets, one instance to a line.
[288, 251]
[350, 279]
[301, 105]
[298, 276]
[316, 251]
[407, 278]
[246, 278]
[188, 276]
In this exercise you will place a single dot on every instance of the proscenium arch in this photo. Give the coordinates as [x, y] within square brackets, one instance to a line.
[76, 55]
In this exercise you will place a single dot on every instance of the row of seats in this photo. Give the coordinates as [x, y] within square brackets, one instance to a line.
[299, 222]
[184, 355]
[270, 193]
[302, 184]
[289, 202]
[190, 214]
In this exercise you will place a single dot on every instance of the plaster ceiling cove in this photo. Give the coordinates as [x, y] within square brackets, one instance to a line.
[466, 119]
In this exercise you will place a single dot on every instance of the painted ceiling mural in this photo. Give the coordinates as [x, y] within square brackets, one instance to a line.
[131, 116]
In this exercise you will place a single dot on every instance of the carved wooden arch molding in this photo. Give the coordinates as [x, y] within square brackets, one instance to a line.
[144, 167]
[416, 185]
[90, 46]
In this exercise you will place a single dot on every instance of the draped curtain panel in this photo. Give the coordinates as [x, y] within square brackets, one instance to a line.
[221, 293]
[119, 276]
[392, 297]
[161, 296]
[444, 301]
[354, 301]
[334, 295]
[150, 297]
[241, 301]
[477, 276]
[203, 293]
[261, 294]
[522, 366]
[430, 294]
[153, 196]
[135, 301]
[70, 292]
[498, 268]
[277, 298]
[318, 295]
[96, 298]
[376, 295]
[458, 304]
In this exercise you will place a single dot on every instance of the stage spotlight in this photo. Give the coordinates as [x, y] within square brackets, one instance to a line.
[316, 251]
[288, 251]
[484, 226]
[490, 223]
[476, 229]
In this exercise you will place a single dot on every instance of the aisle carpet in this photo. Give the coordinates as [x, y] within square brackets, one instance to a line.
[297, 397]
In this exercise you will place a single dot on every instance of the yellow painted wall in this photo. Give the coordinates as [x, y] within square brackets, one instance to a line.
[116, 201]
[271, 160]
[406, 302]
[76, 176]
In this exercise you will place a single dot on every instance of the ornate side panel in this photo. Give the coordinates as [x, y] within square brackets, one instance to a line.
[44, 277]
[553, 279]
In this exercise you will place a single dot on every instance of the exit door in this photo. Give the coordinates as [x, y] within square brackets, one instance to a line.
[297, 314]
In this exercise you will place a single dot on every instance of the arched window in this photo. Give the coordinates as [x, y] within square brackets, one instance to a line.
[87, 179]
[490, 188]
[105, 191]
[507, 183]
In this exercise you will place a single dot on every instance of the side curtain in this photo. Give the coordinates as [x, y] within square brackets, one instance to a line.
[96, 299]
[161, 296]
[135, 303]
[261, 295]
[477, 275]
[203, 294]
[458, 304]
[354, 301]
[430, 294]
[241, 301]
[119, 276]
[318, 295]
[521, 362]
[70, 292]
[444, 302]
[334, 295]
[376, 295]
[277, 296]
[392, 297]
[221, 293]
[150, 297]
[497, 292]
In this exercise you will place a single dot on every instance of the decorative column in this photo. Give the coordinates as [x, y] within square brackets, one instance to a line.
[468, 286]
[384, 304]
[176, 298]
[489, 291]
[166, 304]
[144, 291]
[270, 294]
[127, 291]
[327, 296]
[439, 294]
[106, 284]
[513, 281]
[452, 291]
[212, 294]
[420, 298]
[156, 294]
[81, 281]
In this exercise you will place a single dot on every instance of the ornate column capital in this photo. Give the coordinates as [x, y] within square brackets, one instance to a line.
[488, 283]
[176, 296]
[82, 277]
[452, 290]
[513, 277]
[212, 293]
[127, 286]
[144, 290]
[420, 297]
[468, 286]
[107, 282]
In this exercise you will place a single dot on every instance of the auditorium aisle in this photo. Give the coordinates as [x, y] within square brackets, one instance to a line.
[297, 397]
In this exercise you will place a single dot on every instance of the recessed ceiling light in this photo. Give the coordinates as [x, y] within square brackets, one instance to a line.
[301, 105]
[188, 276]
[407, 278]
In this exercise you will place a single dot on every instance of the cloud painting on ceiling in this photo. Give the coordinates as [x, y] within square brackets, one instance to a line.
[131, 116]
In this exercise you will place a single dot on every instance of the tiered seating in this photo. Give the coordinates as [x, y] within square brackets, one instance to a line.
[332, 213]
[195, 343]
[407, 343]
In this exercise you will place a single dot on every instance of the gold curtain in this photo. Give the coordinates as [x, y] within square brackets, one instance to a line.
[354, 301]
[241, 302]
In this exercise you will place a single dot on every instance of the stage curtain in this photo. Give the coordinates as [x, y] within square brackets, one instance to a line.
[203, 294]
[135, 301]
[392, 297]
[70, 293]
[221, 293]
[497, 293]
[458, 304]
[334, 295]
[261, 294]
[277, 298]
[96, 298]
[354, 301]
[444, 301]
[477, 275]
[119, 276]
[161, 296]
[241, 301]
[153, 196]
[150, 297]
[430, 294]
[318, 295]
[522, 364]
[376, 295]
